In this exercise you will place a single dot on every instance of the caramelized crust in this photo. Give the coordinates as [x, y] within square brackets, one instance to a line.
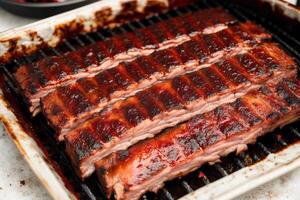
[81, 99]
[204, 138]
[38, 79]
[174, 101]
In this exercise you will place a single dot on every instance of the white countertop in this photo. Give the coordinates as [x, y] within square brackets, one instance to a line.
[17, 181]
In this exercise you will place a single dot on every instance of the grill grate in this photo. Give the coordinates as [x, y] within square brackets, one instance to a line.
[91, 189]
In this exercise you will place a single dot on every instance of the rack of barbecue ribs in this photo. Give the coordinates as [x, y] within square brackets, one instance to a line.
[144, 107]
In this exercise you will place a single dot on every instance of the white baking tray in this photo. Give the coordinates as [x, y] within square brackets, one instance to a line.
[50, 32]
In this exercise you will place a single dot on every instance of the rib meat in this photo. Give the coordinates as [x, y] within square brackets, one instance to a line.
[70, 105]
[204, 138]
[38, 79]
[170, 102]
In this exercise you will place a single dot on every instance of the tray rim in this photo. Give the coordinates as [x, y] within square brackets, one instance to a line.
[52, 30]
[51, 179]
[37, 5]
[33, 155]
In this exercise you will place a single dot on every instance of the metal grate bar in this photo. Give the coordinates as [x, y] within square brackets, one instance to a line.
[130, 26]
[43, 54]
[55, 51]
[127, 27]
[29, 60]
[173, 13]
[238, 162]
[167, 194]
[255, 156]
[68, 44]
[280, 139]
[10, 77]
[263, 147]
[101, 36]
[122, 29]
[176, 13]
[106, 33]
[162, 17]
[154, 19]
[284, 33]
[288, 47]
[146, 22]
[187, 187]
[295, 131]
[89, 38]
[220, 169]
[17, 62]
[138, 24]
[204, 178]
[111, 33]
[79, 41]
[88, 192]
[116, 31]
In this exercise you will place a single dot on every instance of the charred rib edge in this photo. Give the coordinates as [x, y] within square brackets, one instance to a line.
[188, 67]
[127, 56]
[210, 154]
[181, 115]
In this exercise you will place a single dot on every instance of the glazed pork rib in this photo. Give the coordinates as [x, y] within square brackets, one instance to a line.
[170, 102]
[70, 105]
[204, 138]
[38, 79]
